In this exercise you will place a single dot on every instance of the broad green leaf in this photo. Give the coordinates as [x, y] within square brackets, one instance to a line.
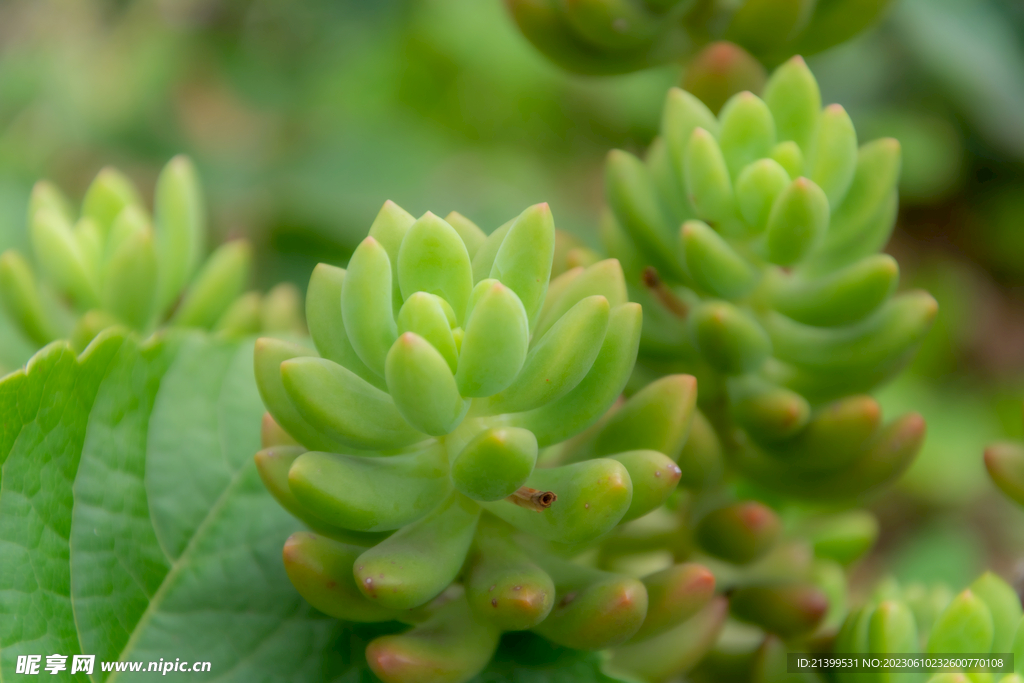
[45, 409]
[133, 524]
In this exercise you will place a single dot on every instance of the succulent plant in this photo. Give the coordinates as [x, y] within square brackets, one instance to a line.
[751, 239]
[413, 441]
[116, 265]
[617, 36]
[985, 617]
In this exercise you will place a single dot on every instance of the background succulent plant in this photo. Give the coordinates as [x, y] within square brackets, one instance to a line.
[984, 617]
[115, 264]
[616, 36]
[752, 239]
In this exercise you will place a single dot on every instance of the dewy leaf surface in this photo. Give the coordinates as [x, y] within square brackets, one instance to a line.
[133, 524]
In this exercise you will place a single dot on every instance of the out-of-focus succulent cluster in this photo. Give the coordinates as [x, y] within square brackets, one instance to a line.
[409, 442]
[983, 618]
[618, 36]
[115, 264]
[751, 239]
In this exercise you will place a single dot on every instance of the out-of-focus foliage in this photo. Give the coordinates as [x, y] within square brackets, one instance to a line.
[618, 36]
[300, 114]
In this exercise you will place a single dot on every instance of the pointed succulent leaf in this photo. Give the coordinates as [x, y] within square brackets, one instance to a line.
[654, 477]
[130, 280]
[730, 339]
[348, 409]
[584, 404]
[746, 132]
[833, 156]
[739, 533]
[422, 386]
[110, 192]
[1003, 604]
[389, 229]
[797, 222]
[560, 360]
[495, 342]
[366, 305]
[452, 646]
[713, 263]
[327, 326]
[758, 186]
[433, 259]
[505, 586]
[61, 258]
[656, 417]
[22, 301]
[964, 626]
[418, 561]
[591, 498]
[523, 261]
[220, 281]
[321, 570]
[674, 595]
[787, 609]
[369, 494]
[180, 219]
[495, 463]
[593, 609]
[793, 97]
[472, 236]
[707, 178]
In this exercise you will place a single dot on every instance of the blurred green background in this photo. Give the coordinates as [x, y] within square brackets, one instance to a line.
[305, 116]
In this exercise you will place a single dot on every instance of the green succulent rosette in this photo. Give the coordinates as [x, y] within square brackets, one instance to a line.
[752, 241]
[419, 441]
[618, 36]
[985, 617]
[116, 264]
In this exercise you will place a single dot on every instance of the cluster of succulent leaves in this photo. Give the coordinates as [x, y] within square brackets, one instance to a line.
[751, 239]
[618, 36]
[115, 264]
[985, 617]
[423, 442]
